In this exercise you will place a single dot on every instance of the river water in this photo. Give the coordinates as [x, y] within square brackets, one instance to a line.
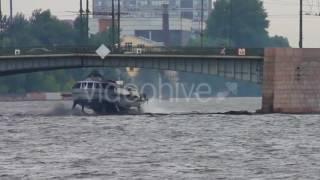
[43, 140]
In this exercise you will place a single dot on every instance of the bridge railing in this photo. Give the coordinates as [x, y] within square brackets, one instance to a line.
[132, 50]
[47, 50]
[195, 51]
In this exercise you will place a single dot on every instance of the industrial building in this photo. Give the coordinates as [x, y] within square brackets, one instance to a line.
[144, 18]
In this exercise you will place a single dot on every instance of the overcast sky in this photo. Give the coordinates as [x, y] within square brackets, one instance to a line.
[283, 15]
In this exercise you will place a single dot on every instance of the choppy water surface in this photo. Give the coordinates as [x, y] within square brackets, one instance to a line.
[42, 140]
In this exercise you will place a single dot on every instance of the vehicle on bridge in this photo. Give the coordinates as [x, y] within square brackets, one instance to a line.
[106, 96]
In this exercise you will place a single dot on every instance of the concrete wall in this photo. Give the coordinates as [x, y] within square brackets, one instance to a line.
[291, 81]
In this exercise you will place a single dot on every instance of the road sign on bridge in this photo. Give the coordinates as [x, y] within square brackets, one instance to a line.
[103, 51]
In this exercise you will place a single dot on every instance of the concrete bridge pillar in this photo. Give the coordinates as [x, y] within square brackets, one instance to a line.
[291, 82]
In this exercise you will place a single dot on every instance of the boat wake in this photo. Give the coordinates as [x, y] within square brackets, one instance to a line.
[63, 110]
[201, 113]
[150, 109]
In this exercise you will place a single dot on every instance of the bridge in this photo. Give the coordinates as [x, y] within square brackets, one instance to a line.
[210, 61]
[290, 77]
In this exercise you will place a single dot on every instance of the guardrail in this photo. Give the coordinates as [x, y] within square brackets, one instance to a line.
[196, 51]
[132, 50]
[47, 50]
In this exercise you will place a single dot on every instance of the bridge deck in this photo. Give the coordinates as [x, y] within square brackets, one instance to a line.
[247, 68]
[6, 57]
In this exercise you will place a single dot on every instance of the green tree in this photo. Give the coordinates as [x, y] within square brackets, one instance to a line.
[49, 30]
[105, 37]
[50, 84]
[278, 41]
[17, 32]
[239, 23]
[79, 31]
[4, 89]
[33, 82]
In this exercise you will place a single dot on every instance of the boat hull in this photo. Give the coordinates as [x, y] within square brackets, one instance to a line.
[110, 104]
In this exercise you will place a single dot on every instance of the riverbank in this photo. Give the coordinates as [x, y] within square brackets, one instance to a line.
[35, 96]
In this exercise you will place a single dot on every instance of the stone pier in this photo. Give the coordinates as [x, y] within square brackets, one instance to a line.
[291, 82]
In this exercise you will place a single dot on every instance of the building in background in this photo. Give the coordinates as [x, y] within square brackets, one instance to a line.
[144, 18]
[134, 41]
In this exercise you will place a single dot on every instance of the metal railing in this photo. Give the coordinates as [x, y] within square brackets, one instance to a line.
[195, 51]
[16, 51]
[47, 50]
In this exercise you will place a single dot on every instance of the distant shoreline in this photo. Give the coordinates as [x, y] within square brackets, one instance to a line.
[35, 96]
[62, 96]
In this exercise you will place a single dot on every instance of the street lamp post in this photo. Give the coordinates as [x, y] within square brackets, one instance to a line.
[231, 24]
[0, 10]
[113, 25]
[301, 25]
[87, 22]
[0, 15]
[201, 25]
[1, 23]
[119, 12]
[11, 10]
[81, 22]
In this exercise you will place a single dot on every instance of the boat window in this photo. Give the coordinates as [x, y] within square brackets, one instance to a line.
[90, 85]
[111, 87]
[108, 86]
[76, 86]
[96, 85]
